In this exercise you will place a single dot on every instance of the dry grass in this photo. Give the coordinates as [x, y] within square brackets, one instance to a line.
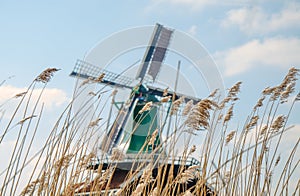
[241, 162]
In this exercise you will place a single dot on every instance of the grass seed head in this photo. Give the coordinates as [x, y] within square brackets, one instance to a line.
[92, 93]
[192, 150]
[20, 95]
[234, 90]
[213, 94]
[63, 161]
[263, 131]
[165, 99]
[230, 136]
[277, 160]
[100, 78]
[86, 81]
[146, 107]
[117, 155]
[286, 93]
[94, 123]
[252, 122]
[229, 114]
[189, 105]
[188, 175]
[278, 123]
[176, 104]
[199, 116]
[259, 103]
[165, 93]
[46, 75]
[26, 118]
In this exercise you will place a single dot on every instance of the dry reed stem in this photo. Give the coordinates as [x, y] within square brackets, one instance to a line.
[187, 193]
[146, 177]
[155, 192]
[248, 183]
[115, 91]
[139, 189]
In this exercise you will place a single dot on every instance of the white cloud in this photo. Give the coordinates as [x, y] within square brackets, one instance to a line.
[51, 97]
[274, 52]
[256, 20]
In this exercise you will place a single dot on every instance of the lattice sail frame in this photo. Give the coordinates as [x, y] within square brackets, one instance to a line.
[87, 70]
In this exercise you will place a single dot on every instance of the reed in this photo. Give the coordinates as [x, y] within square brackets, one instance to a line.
[245, 161]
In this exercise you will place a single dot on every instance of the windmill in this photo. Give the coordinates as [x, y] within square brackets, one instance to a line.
[138, 119]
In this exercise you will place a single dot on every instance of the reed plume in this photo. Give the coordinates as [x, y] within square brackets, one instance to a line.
[198, 118]
[46, 75]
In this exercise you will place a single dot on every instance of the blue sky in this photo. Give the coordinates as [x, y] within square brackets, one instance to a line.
[251, 41]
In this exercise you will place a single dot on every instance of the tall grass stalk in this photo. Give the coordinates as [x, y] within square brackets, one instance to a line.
[242, 159]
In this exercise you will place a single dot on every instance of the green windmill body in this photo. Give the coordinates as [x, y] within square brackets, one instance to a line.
[144, 121]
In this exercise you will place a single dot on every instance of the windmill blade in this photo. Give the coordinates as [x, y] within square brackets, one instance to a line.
[155, 52]
[159, 92]
[149, 52]
[86, 70]
[160, 52]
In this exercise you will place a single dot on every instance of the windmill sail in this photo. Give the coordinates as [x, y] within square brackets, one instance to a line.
[87, 70]
[149, 52]
[160, 52]
[155, 52]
